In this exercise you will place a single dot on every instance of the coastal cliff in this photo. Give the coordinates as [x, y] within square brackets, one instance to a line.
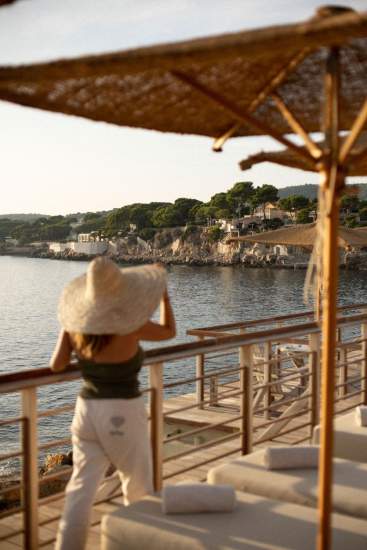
[192, 245]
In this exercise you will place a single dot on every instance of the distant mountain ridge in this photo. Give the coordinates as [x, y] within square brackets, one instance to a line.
[24, 217]
[310, 190]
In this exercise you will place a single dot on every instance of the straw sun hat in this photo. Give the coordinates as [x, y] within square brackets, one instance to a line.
[109, 300]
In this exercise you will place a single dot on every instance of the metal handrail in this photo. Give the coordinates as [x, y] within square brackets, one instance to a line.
[268, 320]
[44, 376]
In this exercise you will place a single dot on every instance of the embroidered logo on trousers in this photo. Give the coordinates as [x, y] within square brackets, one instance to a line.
[117, 422]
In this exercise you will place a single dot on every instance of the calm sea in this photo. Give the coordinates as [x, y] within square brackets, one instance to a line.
[201, 296]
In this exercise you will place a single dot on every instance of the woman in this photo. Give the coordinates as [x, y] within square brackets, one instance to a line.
[104, 315]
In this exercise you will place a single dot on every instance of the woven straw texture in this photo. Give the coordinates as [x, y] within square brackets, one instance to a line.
[137, 87]
[109, 300]
[305, 235]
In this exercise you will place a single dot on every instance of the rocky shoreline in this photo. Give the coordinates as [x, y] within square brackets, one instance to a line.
[57, 467]
[196, 248]
[167, 260]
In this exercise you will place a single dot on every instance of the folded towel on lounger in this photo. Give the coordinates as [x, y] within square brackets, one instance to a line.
[187, 498]
[361, 415]
[282, 458]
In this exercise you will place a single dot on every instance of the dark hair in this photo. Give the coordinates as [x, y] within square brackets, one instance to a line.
[89, 345]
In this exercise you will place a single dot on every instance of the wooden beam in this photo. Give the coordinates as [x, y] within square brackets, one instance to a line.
[354, 133]
[332, 181]
[297, 127]
[271, 85]
[220, 141]
[239, 114]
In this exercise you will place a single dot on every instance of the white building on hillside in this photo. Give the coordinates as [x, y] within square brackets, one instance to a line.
[57, 248]
[89, 248]
[271, 211]
[92, 237]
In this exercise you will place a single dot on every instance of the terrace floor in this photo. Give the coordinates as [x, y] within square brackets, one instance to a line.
[50, 511]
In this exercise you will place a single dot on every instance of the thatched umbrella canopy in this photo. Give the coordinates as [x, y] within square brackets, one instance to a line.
[289, 79]
[304, 235]
[154, 87]
[287, 157]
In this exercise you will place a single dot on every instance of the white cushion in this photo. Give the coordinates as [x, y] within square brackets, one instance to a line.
[255, 523]
[350, 440]
[300, 486]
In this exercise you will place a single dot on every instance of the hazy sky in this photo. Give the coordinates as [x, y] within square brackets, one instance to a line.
[51, 163]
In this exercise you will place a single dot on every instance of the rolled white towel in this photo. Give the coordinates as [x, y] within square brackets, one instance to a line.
[192, 498]
[361, 415]
[282, 458]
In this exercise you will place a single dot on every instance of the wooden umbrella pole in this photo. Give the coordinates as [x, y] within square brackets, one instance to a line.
[332, 182]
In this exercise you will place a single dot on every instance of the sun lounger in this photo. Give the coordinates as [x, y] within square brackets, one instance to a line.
[299, 486]
[256, 522]
[350, 440]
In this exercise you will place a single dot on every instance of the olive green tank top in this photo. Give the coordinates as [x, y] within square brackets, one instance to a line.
[111, 380]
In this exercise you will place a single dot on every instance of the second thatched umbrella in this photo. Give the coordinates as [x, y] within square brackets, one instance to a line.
[305, 235]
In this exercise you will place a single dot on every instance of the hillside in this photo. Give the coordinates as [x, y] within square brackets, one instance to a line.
[24, 217]
[310, 190]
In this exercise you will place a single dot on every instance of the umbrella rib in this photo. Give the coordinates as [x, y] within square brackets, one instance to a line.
[220, 141]
[271, 85]
[239, 114]
[296, 126]
[356, 129]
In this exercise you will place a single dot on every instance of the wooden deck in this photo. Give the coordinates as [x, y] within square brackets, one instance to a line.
[195, 463]
[212, 415]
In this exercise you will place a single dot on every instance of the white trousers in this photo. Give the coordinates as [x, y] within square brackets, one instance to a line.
[104, 431]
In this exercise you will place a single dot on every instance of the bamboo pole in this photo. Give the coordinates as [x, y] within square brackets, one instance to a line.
[332, 182]
[354, 133]
[296, 126]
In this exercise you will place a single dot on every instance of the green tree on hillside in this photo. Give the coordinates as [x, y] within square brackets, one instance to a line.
[90, 216]
[240, 195]
[349, 203]
[185, 205]
[220, 200]
[293, 203]
[141, 216]
[94, 224]
[303, 216]
[264, 194]
[204, 212]
[167, 216]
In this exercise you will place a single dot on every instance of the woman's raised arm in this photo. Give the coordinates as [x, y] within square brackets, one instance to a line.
[62, 352]
[164, 330]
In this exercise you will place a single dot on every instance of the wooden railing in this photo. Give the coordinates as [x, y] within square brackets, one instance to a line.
[247, 386]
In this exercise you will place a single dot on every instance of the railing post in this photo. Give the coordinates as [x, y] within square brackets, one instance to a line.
[314, 391]
[30, 468]
[314, 343]
[213, 391]
[343, 371]
[246, 406]
[200, 371]
[156, 422]
[364, 364]
[267, 378]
